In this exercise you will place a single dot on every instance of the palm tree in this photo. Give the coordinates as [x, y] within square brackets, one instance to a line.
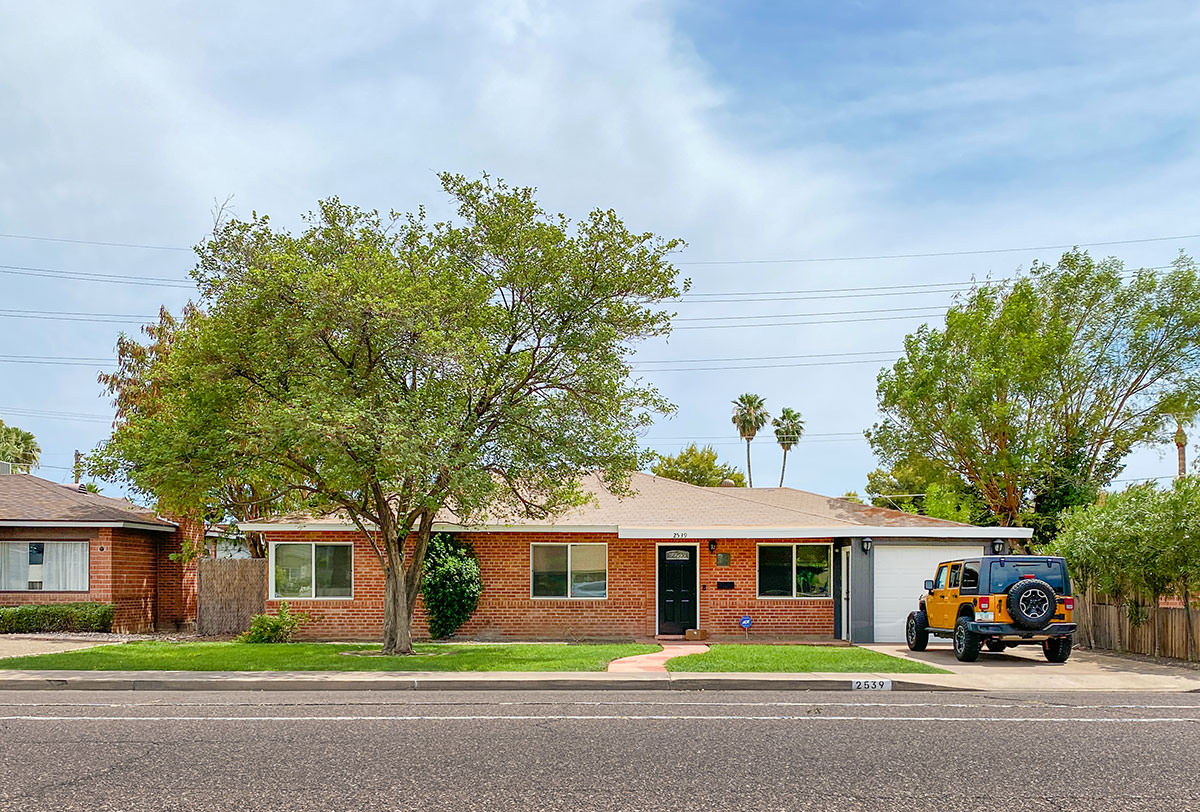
[789, 427]
[749, 415]
[1181, 409]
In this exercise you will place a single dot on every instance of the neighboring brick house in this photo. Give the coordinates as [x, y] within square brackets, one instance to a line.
[59, 543]
[668, 558]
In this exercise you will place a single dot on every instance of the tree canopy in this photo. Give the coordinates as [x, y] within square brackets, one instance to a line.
[390, 368]
[749, 416]
[19, 447]
[697, 466]
[1035, 390]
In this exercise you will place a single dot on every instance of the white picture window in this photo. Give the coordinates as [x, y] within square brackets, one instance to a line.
[794, 570]
[44, 566]
[303, 570]
[568, 570]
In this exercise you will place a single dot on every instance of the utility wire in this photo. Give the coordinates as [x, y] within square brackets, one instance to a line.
[56, 315]
[55, 360]
[94, 242]
[934, 312]
[927, 254]
[90, 276]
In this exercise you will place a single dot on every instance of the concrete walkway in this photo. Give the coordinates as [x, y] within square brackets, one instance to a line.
[23, 645]
[655, 661]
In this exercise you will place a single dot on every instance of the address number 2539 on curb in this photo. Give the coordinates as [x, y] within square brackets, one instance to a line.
[870, 685]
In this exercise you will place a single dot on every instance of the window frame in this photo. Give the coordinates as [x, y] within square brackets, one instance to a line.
[312, 557]
[568, 545]
[828, 545]
[87, 567]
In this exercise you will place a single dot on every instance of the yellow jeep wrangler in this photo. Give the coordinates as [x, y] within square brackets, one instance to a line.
[997, 601]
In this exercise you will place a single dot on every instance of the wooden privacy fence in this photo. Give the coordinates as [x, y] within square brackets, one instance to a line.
[231, 591]
[1107, 626]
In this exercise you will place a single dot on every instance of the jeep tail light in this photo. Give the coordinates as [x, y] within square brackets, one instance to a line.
[1069, 604]
[984, 604]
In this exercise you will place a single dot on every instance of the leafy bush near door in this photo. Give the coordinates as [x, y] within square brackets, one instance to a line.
[57, 617]
[452, 584]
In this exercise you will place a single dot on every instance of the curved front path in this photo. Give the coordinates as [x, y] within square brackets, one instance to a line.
[655, 662]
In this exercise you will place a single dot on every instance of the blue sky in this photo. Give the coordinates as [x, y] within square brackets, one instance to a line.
[755, 131]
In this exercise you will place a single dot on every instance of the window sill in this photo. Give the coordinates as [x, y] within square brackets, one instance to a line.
[564, 598]
[795, 597]
[277, 598]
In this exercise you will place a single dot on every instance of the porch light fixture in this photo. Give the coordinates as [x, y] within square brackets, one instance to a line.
[712, 545]
[866, 545]
[997, 547]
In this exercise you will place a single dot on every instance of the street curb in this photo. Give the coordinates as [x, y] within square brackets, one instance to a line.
[371, 681]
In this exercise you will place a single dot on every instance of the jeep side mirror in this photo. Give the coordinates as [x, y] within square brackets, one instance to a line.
[929, 586]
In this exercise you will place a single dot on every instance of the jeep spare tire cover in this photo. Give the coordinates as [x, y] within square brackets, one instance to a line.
[1031, 603]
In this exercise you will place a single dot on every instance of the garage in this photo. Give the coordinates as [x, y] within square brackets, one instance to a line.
[900, 572]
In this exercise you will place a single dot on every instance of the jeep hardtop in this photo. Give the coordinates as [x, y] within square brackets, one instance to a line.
[997, 601]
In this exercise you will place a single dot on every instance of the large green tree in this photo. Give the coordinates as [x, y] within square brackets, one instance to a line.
[697, 466]
[749, 416]
[19, 447]
[391, 368]
[1034, 391]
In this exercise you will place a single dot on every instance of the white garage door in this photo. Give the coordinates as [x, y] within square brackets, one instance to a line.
[900, 574]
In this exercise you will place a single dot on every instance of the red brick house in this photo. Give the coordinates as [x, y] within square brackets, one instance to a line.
[61, 544]
[669, 558]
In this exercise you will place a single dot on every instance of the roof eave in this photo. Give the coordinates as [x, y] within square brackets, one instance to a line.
[50, 523]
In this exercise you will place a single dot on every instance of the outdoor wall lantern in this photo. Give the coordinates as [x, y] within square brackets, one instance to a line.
[866, 545]
[997, 547]
[712, 545]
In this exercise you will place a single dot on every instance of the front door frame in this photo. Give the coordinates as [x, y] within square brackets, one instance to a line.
[846, 553]
[657, 607]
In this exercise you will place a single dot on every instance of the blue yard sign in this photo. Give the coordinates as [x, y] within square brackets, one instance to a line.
[745, 622]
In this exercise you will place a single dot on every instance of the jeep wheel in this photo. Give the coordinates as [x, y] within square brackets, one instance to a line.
[916, 631]
[966, 642]
[995, 645]
[1032, 603]
[1057, 649]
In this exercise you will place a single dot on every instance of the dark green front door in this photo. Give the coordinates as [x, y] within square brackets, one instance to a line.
[676, 589]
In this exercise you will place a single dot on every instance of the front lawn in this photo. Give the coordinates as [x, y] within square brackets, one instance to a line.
[156, 655]
[793, 658]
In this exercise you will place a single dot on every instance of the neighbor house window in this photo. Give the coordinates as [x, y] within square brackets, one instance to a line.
[794, 570]
[312, 570]
[44, 566]
[568, 570]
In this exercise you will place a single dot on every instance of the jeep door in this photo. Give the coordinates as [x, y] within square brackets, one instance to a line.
[938, 600]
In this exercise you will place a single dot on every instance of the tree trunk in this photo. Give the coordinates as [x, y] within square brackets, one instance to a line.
[1187, 619]
[749, 476]
[397, 620]
[783, 468]
[1181, 449]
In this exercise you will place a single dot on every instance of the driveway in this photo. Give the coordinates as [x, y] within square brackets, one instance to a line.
[1024, 669]
[21, 645]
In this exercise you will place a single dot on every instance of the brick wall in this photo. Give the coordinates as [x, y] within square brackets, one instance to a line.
[506, 609]
[177, 585]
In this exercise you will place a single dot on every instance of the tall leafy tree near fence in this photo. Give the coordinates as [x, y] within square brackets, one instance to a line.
[1136, 547]
[1036, 389]
[390, 368]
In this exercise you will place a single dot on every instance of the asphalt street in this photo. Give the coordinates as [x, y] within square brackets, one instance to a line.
[597, 750]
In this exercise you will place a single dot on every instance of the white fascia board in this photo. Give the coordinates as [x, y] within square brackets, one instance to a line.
[438, 527]
[55, 525]
[859, 531]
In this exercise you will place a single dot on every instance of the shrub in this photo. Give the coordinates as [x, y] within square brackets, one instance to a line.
[57, 617]
[452, 584]
[277, 628]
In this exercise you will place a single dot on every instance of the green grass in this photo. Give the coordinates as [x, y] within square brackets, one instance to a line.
[751, 657]
[155, 655]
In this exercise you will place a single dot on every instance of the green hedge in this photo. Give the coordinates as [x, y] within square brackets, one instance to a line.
[57, 617]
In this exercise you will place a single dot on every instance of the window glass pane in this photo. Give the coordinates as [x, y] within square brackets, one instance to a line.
[65, 566]
[333, 570]
[293, 570]
[14, 566]
[812, 570]
[774, 571]
[589, 571]
[955, 573]
[1005, 573]
[940, 583]
[550, 570]
[37, 552]
[970, 575]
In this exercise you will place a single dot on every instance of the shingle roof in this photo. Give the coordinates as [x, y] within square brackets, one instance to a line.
[29, 499]
[665, 504]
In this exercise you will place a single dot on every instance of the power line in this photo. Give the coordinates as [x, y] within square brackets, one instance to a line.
[928, 254]
[934, 312]
[55, 360]
[775, 366]
[763, 357]
[90, 276]
[40, 238]
[804, 315]
[83, 416]
[54, 315]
